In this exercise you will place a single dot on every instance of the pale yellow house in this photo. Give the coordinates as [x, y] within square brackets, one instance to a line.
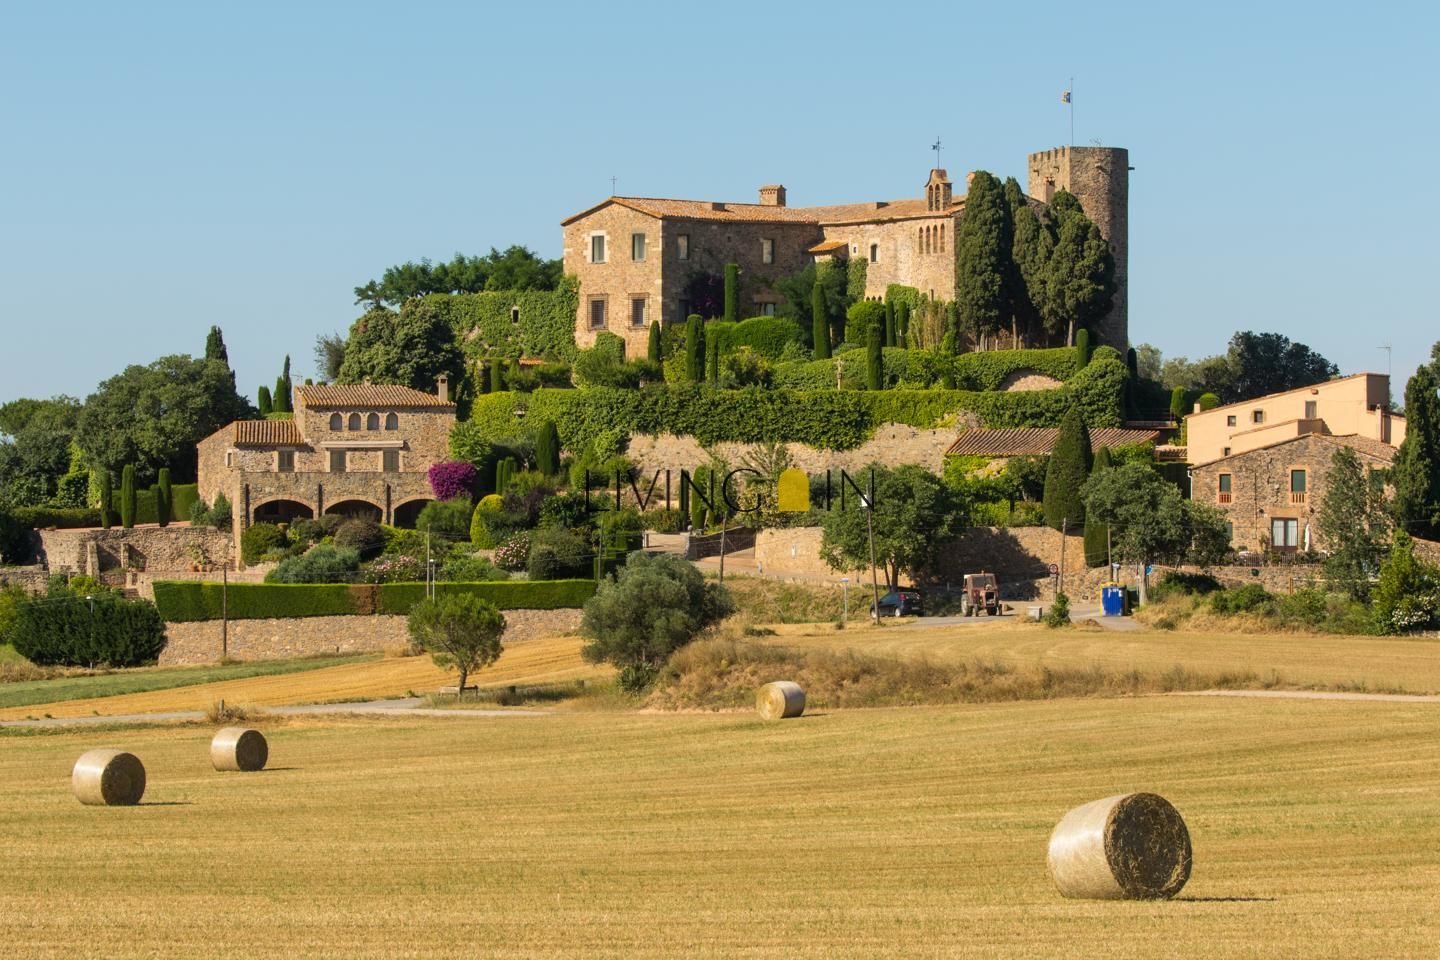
[1355, 406]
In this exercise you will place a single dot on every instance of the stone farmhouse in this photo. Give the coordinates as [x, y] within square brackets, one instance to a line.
[636, 257]
[360, 450]
[1266, 462]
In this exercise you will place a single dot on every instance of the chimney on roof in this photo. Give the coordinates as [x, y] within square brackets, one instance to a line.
[772, 195]
[442, 388]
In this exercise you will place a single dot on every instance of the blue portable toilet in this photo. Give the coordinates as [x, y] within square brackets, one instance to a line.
[1112, 600]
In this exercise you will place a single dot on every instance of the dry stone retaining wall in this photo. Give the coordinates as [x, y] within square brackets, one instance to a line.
[200, 643]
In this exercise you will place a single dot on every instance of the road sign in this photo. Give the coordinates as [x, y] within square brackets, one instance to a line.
[1054, 569]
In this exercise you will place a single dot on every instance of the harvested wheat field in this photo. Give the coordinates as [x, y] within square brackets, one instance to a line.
[918, 832]
[1381, 664]
[549, 660]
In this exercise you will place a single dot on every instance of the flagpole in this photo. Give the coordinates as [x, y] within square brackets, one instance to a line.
[1072, 111]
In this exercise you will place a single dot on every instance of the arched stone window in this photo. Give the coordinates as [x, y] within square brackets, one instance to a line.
[354, 423]
[919, 239]
[372, 422]
[942, 238]
[392, 421]
[337, 422]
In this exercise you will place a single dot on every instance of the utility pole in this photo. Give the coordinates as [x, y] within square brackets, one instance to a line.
[844, 599]
[1060, 583]
[870, 530]
[225, 610]
[1109, 559]
[722, 549]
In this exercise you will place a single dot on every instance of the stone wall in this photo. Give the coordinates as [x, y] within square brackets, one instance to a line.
[892, 445]
[29, 579]
[199, 643]
[150, 548]
[901, 257]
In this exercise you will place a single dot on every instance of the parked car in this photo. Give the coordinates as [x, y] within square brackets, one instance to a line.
[901, 603]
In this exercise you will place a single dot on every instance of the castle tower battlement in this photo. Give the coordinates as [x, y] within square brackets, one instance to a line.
[1099, 177]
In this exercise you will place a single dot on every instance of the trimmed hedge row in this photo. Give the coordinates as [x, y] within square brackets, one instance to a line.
[185, 601]
[68, 518]
[80, 633]
[828, 419]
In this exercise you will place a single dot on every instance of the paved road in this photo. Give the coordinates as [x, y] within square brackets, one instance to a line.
[405, 706]
[1310, 695]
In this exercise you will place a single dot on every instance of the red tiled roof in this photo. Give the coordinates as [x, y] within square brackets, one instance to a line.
[318, 396]
[1035, 441]
[769, 213]
[828, 246]
[267, 433]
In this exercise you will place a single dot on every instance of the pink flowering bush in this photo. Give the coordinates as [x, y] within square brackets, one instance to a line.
[393, 568]
[450, 480]
[513, 554]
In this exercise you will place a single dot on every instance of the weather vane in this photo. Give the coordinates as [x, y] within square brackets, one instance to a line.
[936, 147]
[612, 186]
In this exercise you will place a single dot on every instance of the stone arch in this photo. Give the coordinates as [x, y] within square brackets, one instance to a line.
[337, 422]
[281, 510]
[372, 421]
[408, 511]
[392, 421]
[356, 507]
[942, 238]
[354, 422]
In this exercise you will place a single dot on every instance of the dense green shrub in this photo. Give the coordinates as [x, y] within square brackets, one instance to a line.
[663, 520]
[654, 350]
[183, 601]
[767, 336]
[542, 324]
[446, 519]
[324, 563]
[694, 349]
[15, 540]
[558, 554]
[85, 632]
[874, 369]
[1179, 582]
[819, 322]
[1244, 599]
[258, 540]
[62, 518]
[363, 536]
[470, 568]
[861, 318]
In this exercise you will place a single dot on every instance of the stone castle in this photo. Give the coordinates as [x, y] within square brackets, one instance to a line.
[636, 256]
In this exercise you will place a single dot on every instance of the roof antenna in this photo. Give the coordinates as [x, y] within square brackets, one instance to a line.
[612, 186]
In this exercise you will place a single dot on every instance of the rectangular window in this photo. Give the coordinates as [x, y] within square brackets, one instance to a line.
[767, 309]
[597, 248]
[1230, 420]
[637, 246]
[1284, 534]
[337, 461]
[1257, 416]
[767, 251]
[1310, 410]
[1225, 452]
[874, 253]
[285, 461]
[390, 461]
[597, 313]
[682, 246]
[1224, 495]
[683, 308]
[637, 311]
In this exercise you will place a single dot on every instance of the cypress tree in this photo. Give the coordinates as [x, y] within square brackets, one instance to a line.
[653, 352]
[1132, 383]
[512, 372]
[1080, 278]
[1068, 467]
[820, 322]
[1177, 403]
[107, 499]
[277, 399]
[1082, 348]
[1096, 541]
[263, 398]
[874, 362]
[127, 496]
[983, 257]
[497, 374]
[164, 498]
[902, 325]
[1416, 473]
[215, 347]
[547, 448]
[694, 349]
[889, 324]
[697, 504]
[712, 356]
[732, 292]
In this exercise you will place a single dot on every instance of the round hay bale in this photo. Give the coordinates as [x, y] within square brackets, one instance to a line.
[780, 700]
[108, 778]
[239, 748]
[1130, 847]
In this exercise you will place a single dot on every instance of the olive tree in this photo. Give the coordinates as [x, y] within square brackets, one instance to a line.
[459, 630]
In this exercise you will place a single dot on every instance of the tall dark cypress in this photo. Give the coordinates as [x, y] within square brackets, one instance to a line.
[1066, 472]
[889, 324]
[107, 498]
[497, 374]
[653, 347]
[820, 321]
[874, 359]
[262, 397]
[694, 349]
[1416, 473]
[127, 496]
[164, 498]
[732, 292]
[547, 448]
[1096, 554]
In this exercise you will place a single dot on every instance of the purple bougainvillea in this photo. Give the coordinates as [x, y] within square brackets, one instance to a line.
[450, 480]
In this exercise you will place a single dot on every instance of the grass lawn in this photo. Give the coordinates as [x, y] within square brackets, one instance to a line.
[550, 660]
[8, 654]
[32, 692]
[1375, 663]
[866, 833]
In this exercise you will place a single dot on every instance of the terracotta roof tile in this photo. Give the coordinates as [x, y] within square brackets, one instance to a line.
[769, 213]
[1037, 441]
[828, 246]
[267, 433]
[318, 396]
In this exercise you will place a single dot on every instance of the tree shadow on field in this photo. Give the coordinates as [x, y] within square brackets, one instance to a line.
[279, 769]
[1227, 899]
[165, 803]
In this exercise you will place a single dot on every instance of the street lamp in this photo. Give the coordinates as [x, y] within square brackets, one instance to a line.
[870, 531]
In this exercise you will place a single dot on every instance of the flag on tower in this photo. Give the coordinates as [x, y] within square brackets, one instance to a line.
[1065, 97]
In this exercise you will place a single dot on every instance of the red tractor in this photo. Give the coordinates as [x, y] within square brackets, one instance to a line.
[981, 594]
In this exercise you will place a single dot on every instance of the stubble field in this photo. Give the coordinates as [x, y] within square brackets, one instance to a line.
[909, 832]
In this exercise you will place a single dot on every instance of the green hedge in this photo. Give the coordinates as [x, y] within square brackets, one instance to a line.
[398, 598]
[767, 336]
[67, 518]
[931, 368]
[183, 601]
[78, 632]
[830, 419]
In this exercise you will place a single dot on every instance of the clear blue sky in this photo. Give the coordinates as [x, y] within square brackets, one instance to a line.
[170, 166]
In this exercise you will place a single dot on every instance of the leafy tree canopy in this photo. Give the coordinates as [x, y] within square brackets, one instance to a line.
[411, 348]
[514, 268]
[915, 515]
[1255, 364]
[152, 416]
[1353, 523]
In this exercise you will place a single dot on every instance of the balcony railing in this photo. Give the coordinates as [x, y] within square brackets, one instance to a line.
[1224, 496]
[1297, 497]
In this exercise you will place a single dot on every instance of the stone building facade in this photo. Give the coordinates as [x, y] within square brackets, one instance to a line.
[636, 257]
[1271, 496]
[362, 450]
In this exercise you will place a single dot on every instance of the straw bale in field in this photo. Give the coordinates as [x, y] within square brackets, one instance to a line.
[780, 700]
[1129, 847]
[108, 778]
[239, 748]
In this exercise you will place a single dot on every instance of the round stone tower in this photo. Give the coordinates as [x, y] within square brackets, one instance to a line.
[1099, 177]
